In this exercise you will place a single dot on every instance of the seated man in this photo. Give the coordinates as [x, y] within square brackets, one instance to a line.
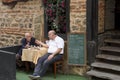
[55, 46]
[26, 43]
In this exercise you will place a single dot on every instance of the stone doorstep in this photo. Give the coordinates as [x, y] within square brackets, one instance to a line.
[103, 75]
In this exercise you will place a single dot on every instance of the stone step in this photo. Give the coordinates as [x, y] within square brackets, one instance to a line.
[108, 57]
[106, 66]
[113, 34]
[103, 75]
[110, 48]
[115, 41]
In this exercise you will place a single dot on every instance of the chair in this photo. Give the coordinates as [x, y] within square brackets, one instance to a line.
[56, 65]
[60, 62]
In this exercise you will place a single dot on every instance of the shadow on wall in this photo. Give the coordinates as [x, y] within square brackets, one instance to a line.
[11, 3]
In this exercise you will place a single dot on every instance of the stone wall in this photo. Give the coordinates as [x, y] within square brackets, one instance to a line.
[24, 17]
[77, 16]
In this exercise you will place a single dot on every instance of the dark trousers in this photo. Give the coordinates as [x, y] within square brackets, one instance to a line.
[43, 64]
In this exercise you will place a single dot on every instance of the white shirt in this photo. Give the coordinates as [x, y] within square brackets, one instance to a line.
[58, 42]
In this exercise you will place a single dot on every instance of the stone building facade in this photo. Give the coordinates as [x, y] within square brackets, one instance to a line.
[29, 17]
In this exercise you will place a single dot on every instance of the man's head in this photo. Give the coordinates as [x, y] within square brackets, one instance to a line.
[52, 34]
[28, 36]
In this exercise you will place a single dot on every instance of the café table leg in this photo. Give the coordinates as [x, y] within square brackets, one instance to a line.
[27, 66]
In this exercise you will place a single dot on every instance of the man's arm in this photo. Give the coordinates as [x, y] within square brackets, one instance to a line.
[55, 53]
[41, 43]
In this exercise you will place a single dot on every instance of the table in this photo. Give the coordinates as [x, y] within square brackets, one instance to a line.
[32, 54]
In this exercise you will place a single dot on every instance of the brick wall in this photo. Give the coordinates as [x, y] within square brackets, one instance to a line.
[24, 17]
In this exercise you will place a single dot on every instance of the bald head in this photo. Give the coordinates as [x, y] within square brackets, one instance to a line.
[51, 34]
[28, 36]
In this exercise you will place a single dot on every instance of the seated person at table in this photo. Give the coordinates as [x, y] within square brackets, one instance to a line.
[55, 46]
[26, 43]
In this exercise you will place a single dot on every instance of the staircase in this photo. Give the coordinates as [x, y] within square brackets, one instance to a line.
[107, 64]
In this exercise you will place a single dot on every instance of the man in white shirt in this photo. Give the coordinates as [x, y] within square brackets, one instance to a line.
[55, 46]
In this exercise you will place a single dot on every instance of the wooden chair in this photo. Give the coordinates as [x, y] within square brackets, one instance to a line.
[57, 64]
[60, 62]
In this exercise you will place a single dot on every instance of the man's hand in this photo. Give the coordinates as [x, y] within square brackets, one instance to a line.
[50, 57]
[38, 42]
[41, 43]
[18, 56]
[27, 46]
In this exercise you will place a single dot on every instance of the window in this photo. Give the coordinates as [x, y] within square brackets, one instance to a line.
[56, 17]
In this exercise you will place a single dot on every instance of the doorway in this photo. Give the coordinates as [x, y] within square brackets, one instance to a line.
[112, 15]
[110, 27]
[117, 14]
